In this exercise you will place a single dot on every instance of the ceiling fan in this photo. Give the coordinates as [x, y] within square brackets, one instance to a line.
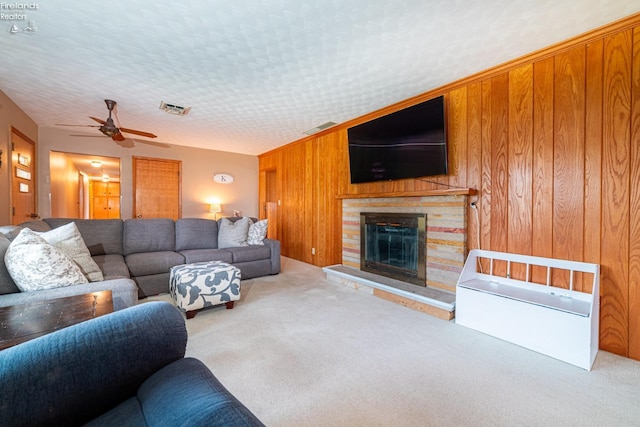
[109, 128]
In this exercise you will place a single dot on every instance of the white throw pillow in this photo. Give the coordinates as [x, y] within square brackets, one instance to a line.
[233, 234]
[34, 264]
[257, 232]
[68, 239]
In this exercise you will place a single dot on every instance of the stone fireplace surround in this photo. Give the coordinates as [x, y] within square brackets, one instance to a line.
[446, 248]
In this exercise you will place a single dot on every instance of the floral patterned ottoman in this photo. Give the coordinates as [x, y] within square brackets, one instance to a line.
[204, 284]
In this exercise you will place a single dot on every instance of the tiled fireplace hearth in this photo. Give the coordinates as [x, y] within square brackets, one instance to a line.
[445, 250]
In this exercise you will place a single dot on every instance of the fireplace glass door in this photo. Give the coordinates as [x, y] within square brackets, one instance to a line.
[393, 245]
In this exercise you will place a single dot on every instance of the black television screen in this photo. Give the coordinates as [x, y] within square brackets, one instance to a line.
[408, 143]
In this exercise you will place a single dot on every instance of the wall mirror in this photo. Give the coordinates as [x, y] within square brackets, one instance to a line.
[84, 186]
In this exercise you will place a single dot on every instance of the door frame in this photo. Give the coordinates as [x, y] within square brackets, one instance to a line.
[33, 170]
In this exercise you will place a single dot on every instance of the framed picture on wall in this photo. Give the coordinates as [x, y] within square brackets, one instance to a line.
[21, 173]
[24, 188]
[23, 160]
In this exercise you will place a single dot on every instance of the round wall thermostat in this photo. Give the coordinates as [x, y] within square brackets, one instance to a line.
[223, 178]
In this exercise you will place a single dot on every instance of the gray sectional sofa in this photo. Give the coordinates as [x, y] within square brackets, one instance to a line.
[135, 255]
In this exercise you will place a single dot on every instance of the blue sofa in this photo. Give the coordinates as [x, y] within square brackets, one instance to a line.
[123, 369]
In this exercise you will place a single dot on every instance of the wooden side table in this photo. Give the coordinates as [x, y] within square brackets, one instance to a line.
[20, 323]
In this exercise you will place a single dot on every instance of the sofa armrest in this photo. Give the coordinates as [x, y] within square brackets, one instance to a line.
[75, 374]
[123, 291]
[187, 393]
[274, 245]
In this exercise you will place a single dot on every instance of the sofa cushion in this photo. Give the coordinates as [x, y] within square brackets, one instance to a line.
[196, 233]
[257, 232]
[36, 225]
[7, 285]
[233, 233]
[102, 237]
[148, 235]
[35, 264]
[68, 239]
[201, 255]
[250, 253]
[112, 266]
[147, 263]
[253, 269]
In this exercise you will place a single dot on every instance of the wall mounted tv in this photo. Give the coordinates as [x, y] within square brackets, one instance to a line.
[409, 143]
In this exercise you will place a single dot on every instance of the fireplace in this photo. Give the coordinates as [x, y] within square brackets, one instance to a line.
[393, 245]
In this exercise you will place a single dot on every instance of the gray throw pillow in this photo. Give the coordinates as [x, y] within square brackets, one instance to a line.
[69, 240]
[233, 234]
[35, 264]
[258, 232]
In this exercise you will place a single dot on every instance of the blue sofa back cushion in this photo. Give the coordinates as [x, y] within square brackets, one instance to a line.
[196, 233]
[149, 235]
[78, 373]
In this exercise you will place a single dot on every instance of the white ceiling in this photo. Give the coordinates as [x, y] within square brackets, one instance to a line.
[257, 74]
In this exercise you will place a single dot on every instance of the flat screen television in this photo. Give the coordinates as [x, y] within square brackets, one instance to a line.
[409, 143]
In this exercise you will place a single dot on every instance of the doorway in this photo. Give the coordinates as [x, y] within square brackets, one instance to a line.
[84, 186]
[23, 178]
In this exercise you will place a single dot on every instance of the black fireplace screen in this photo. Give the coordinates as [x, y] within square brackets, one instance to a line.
[393, 245]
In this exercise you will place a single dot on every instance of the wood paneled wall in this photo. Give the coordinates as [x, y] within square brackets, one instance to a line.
[551, 142]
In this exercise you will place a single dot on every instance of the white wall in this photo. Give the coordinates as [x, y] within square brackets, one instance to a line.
[198, 168]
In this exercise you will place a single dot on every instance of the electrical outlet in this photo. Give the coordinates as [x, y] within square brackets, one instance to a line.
[313, 251]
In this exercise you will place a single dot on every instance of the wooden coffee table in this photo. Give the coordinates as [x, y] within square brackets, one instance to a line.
[20, 323]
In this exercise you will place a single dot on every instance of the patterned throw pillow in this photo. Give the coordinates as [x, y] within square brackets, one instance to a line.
[257, 232]
[233, 234]
[34, 264]
[68, 239]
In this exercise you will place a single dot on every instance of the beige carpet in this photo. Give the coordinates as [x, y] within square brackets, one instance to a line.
[298, 350]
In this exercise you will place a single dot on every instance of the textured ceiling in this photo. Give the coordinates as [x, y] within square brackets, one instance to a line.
[257, 74]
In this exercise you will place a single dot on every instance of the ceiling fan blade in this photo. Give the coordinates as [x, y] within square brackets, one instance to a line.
[84, 126]
[127, 143]
[118, 137]
[102, 122]
[138, 132]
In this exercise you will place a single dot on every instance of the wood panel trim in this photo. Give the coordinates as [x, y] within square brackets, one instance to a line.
[451, 192]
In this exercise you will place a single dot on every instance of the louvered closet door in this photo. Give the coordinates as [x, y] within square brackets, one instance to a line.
[157, 188]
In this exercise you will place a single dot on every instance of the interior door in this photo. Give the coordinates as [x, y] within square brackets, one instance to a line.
[157, 188]
[23, 178]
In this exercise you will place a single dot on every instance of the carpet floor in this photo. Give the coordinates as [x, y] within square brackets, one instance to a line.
[299, 350]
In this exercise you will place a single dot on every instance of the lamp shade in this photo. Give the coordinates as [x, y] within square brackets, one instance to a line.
[215, 208]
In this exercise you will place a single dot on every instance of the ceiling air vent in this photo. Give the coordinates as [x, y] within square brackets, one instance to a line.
[319, 128]
[174, 109]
